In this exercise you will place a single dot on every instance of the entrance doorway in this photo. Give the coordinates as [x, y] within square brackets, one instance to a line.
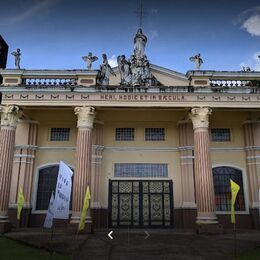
[140, 203]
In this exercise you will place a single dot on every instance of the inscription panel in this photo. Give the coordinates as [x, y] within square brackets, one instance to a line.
[134, 99]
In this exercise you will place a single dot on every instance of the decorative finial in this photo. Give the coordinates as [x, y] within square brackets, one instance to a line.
[89, 60]
[198, 61]
[17, 54]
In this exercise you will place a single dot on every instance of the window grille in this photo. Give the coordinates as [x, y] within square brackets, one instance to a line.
[142, 170]
[221, 178]
[59, 134]
[154, 134]
[46, 184]
[125, 134]
[220, 135]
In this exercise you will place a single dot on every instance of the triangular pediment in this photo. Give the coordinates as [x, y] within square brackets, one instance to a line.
[166, 77]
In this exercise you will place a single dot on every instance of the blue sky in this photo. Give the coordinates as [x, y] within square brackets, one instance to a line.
[55, 34]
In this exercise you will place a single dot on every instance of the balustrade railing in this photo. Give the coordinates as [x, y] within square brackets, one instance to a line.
[49, 81]
[216, 85]
[234, 83]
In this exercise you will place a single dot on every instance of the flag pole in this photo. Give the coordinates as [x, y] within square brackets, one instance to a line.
[235, 241]
[52, 227]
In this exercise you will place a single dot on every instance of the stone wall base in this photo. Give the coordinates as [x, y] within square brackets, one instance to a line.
[209, 229]
[183, 219]
[5, 227]
[24, 218]
[73, 228]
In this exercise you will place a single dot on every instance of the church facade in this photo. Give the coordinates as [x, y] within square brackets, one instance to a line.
[157, 148]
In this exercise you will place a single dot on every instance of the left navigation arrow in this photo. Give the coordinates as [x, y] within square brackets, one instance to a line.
[110, 235]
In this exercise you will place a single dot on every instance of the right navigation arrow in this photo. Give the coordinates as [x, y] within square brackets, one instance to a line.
[147, 234]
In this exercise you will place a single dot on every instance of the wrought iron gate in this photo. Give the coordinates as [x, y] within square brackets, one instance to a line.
[140, 203]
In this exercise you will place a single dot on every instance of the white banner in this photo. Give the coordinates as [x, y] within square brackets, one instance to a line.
[63, 192]
[49, 217]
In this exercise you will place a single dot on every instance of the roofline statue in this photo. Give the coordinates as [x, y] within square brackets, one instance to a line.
[89, 59]
[105, 72]
[140, 41]
[17, 55]
[198, 61]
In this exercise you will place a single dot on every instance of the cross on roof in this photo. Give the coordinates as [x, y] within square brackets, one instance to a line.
[141, 13]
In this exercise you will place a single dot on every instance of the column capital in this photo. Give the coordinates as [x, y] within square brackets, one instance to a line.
[9, 115]
[200, 116]
[86, 116]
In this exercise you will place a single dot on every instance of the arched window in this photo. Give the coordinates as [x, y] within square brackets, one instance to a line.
[46, 184]
[221, 178]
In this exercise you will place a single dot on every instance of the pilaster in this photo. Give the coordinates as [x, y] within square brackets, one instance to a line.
[9, 119]
[23, 168]
[252, 150]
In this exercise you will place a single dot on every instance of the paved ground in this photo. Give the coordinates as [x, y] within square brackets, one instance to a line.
[135, 244]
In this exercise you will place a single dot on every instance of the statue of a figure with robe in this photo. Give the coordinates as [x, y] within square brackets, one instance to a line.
[124, 70]
[140, 41]
[105, 72]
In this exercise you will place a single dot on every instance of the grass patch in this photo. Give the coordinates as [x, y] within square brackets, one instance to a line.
[10, 250]
[251, 255]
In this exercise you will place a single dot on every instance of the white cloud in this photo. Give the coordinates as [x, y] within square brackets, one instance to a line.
[113, 61]
[252, 25]
[253, 62]
[152, 34]
[249, 20]
[35, 9]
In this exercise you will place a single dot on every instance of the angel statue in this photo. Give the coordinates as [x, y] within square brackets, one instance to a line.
[198, 61]
[105, 72]
[89, 60]
[17, 55]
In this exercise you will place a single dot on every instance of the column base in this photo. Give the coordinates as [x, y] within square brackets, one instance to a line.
[74, 224]
[213, 228]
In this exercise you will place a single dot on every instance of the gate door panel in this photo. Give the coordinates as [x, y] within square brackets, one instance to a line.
[140, 203]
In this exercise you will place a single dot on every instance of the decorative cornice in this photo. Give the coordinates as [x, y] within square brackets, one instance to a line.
[86, 116]
[200, 117]
[10, 115]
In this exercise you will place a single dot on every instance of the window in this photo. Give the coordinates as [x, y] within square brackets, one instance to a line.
[125, 134]
[221, 178]
[46, 185]
[143, 170]
[154, 134]
[220, 135]
[59, 134]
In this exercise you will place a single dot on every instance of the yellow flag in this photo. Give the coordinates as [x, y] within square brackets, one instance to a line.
[20, 202]
[234, 191]
[84, 210]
